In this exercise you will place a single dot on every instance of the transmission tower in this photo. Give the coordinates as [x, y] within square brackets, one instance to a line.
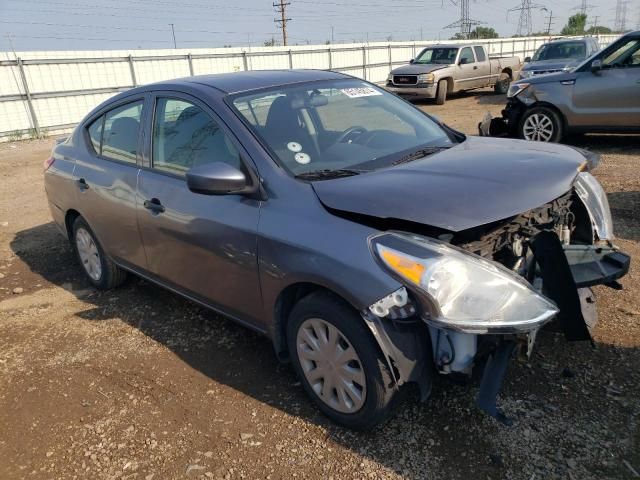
[281, 7]
[524, 22]
[583, 7]
[464, 23]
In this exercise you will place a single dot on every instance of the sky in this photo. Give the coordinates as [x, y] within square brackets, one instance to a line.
[27, 25]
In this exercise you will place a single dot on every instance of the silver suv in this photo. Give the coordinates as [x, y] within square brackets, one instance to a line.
[600, 95]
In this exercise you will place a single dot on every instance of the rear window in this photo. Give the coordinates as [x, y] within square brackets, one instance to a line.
[480, 54]
[121, 132]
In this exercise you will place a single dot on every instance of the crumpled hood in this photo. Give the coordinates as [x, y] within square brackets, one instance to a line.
[416, 69]
[479, 181]
[557, 64]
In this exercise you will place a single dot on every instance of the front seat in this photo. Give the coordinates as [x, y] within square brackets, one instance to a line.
[283, 126]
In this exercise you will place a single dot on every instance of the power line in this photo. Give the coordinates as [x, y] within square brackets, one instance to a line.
[524, 22]
[281, 9]
[464, 23]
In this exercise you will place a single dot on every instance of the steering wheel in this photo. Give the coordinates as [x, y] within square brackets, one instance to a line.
[350, 131]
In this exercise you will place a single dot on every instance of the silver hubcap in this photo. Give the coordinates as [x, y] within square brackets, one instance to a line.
[331, 365]
[538, 127]
[89, 255]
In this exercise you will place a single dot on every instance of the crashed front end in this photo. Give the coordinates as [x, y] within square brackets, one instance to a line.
[484, 293]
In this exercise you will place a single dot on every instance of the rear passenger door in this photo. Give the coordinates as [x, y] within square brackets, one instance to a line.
[106, 177]
[205, 246]
[484, 68]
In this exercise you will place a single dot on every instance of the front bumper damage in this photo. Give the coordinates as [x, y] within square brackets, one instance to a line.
[417, 345]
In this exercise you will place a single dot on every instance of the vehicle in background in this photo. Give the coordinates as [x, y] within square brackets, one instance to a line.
[561, 55]
[440, 70]
[374, 245]
[602, 95]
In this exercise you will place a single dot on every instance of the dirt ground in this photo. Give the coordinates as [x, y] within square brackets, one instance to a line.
[139, 383]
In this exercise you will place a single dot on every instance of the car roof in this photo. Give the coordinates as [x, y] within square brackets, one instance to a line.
[236, 82]
[568, 40]
[450, 45]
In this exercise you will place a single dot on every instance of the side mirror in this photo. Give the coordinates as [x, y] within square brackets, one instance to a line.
[412, 60]
[596, 66]
[216, 178]
[527, 59]
[463, 61]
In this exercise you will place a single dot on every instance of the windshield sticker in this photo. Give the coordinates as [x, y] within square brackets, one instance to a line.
[360, 92]
[302, 158]
[294, 147]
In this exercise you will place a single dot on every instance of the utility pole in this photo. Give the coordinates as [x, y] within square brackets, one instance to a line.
[173, 33]
[620, 24]
[595, 24]
[550, 22]
[464, 23]
[524, 22]
[332, 37]
[281, 9]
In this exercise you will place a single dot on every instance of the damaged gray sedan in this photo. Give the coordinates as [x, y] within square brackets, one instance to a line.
[374, 245]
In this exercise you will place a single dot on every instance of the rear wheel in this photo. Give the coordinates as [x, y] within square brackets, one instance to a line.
[540, 124]
[441, 95]
[338, 362]
[100, 270]
[502, 85]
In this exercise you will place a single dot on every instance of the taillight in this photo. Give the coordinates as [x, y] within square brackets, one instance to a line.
[48, 162]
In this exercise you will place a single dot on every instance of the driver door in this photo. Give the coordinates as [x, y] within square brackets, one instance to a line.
[201, 245]
[468, 73]
[610, 97]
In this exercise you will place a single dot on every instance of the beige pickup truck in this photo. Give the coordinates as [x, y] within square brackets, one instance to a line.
[443, 69]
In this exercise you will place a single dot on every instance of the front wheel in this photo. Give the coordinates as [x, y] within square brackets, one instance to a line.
[441, 95]
[338, 362]
[540, 124]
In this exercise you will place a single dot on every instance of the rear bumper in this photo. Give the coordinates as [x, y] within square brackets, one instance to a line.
[424, 91]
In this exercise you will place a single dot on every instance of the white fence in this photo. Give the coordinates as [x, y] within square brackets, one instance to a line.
[49, 92]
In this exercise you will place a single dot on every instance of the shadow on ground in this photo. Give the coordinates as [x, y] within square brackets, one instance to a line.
[447, 430]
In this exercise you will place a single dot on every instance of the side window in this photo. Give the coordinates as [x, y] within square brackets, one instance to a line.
[121, 132]
[468, 54]
[184, 136]
[95, 133]
[626, 55]
[480, 54]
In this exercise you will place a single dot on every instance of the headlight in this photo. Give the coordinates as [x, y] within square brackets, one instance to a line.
[595, 201]
[466, 292]
[525, 73]
[516, 88]
[426, 78]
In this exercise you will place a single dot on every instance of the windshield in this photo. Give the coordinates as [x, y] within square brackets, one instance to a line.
[437, 55]
[342, 126]
[558, 51]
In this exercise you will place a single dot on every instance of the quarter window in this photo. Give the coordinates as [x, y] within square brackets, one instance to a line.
[480, 54]
[184, 136]
[121, 132]
[95, 133]
[468, 54]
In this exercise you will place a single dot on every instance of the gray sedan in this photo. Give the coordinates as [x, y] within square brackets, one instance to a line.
[372, 244]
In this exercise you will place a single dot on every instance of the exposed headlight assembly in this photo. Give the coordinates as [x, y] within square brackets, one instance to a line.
[526, 73]
[516, 89]
[464, 292]
[595, 201]
[426, 78]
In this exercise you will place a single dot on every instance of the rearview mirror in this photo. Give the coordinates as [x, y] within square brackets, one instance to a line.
[527, 59]
[411, 61]
[216, 178]
[596, 66]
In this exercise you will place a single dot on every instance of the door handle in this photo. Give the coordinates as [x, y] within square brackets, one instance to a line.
[82, 184]
[153, 205]
[475, 67]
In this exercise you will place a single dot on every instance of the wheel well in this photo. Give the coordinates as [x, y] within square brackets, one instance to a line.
[69, 218]
[508, 71]
[284, 304]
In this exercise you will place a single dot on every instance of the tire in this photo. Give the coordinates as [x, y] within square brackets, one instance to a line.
[502, 85]
[441, 95]
[313, 319]
[99, 269]
[541, 124]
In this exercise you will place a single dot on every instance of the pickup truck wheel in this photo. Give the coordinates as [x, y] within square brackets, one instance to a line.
[502, 85]
[100, 270]
[441, 96]
[540, 124]
[338, 362]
